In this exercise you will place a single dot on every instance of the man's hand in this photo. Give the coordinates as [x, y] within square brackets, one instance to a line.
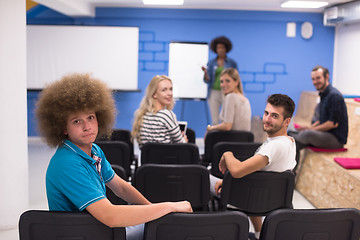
[222, 163]
[302, 128]
[218, 186]
[183, 206]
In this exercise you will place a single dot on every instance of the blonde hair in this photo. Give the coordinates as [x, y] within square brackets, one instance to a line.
[73, 93]
[234, 74]
[148, 104]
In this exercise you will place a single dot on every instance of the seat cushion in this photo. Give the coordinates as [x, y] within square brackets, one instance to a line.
[315, 149]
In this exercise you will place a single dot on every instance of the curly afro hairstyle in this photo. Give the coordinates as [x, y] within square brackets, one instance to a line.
[223, 40]
[74, 93]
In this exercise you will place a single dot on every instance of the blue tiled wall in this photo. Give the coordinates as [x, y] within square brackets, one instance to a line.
[269, 62]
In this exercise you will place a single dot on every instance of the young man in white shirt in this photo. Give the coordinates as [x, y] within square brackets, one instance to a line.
[276, 154]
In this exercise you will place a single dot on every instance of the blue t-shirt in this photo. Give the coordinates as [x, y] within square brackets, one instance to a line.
[72, 179]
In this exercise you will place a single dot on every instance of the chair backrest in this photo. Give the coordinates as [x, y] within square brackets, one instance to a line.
[312, 224]
[191, 136]
[213, 137]
[241, 150]
[199, 226]
[109, 193]
[117, 153]
[46, 225]
[123, 135]
[258, 193]
[170, 153]
[160, 183]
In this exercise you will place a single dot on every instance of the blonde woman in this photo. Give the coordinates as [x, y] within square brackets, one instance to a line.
[236, 112]
[154, 121]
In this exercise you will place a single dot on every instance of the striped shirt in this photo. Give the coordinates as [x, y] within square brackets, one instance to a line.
[161, 127]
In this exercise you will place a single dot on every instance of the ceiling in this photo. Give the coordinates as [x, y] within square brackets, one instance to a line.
[85, 8]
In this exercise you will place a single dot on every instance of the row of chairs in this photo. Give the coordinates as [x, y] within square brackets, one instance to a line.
[118, 151]
[255, 194]
[124, 135]
[283, 224]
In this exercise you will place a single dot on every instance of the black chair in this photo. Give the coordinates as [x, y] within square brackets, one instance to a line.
[170, 153]
[312, 224]
[258, 193]
[213, 137]
[191, 136]
[160, 183]
[47, 225]
[122, 135]
[199, 226]
[109, 193]
[117, 153]
[241, 150]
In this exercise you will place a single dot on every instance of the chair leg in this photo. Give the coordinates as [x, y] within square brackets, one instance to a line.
[214, 204]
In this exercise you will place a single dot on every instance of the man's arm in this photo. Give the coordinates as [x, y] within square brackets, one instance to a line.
[326, 126]
[127, 192]
[239, 169]
[130, 215]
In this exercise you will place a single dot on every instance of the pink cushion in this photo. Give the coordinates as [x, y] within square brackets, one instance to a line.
[296, 126]
[348, 163]
[357, 99]
[315, 149]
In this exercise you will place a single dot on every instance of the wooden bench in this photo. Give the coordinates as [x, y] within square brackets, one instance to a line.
[320, 179]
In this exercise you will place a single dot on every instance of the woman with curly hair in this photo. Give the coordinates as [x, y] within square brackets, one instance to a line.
[236, 111]
[221, 46]
[154, 121]
[71, 113]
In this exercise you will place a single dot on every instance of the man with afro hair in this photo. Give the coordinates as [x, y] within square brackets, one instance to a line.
[71, 113]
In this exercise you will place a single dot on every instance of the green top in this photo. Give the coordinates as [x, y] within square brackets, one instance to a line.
[216, 85]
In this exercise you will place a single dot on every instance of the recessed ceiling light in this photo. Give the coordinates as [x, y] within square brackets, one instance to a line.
[303, 4]
[163, 2]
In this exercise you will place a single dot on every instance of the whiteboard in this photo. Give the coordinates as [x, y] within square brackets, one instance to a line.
[185, 62]
[108, 53]
[346, 59]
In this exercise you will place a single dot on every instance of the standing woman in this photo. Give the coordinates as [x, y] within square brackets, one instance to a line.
[236, 112]
[154, 120]
[221, 46]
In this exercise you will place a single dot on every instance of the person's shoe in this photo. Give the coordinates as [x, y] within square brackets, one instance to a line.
[252, 236]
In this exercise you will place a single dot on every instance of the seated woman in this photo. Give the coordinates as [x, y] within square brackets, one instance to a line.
[236, 112]
[154, 121]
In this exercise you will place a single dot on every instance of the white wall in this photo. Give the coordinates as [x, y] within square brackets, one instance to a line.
[13, 120]
[347, 59]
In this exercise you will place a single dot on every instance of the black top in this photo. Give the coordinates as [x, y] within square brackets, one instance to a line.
[333, 108]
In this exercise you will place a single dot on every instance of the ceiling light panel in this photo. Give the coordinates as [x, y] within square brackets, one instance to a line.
[163, 2]
[303, 4]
